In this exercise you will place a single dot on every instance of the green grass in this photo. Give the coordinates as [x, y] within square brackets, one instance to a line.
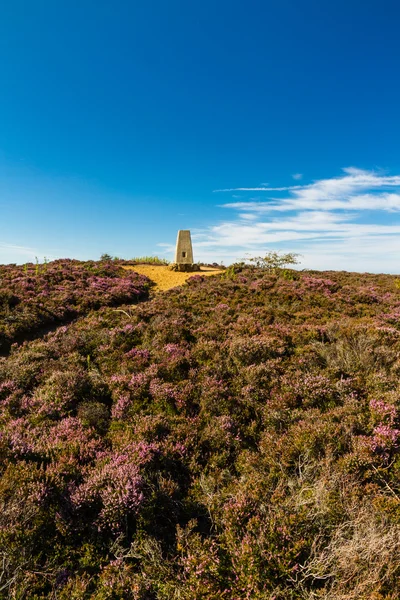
[150, 260]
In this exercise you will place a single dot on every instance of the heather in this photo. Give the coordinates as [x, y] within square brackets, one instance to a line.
[237, 438]
[33, 297]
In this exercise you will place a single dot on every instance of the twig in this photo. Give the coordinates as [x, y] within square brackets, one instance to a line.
[386, 484]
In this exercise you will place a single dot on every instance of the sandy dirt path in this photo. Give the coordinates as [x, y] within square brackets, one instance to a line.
[166, 279]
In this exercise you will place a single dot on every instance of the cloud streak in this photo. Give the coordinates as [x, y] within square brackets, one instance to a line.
[355, 190]
[12, 252]
[261, 189]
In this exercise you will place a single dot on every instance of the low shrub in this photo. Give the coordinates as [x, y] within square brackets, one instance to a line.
[237, 437]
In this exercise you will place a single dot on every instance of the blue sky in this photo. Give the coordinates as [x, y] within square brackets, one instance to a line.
[119, 121]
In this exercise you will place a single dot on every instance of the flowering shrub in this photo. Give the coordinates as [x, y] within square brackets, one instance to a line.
[385, 433]
[115, 485]
[238, 437]
[36, 296]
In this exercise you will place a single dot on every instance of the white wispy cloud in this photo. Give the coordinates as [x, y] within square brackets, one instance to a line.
[261, 189]
[297, 176]
[355, 190]
[389, 202]
[248, 216]
[20, 250]
[336, 223]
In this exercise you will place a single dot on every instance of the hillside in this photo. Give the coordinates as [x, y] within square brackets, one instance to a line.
[35, 297]
[236, 437]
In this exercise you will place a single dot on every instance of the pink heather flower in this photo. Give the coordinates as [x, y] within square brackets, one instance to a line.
[7, 387]
[38, 492]
[226, 423]
[120, 407]
[138, 381]
[180, 448]
[384, 438]
[385, 411]
[116, 482]
[138, 353]
[175, 351]
[118, 379]
[70, 435]
[20, 436]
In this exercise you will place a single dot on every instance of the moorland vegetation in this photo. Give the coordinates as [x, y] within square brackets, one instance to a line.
[37, 296]
[237, 437]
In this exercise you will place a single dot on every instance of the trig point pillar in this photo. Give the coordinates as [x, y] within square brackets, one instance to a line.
[184, 253]
[184, 250]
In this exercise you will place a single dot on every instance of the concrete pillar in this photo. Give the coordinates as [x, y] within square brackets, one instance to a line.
[184, 250]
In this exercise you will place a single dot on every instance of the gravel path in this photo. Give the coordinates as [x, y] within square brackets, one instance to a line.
[166, 279]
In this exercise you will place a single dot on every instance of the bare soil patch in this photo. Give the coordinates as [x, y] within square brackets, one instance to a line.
[166, 279]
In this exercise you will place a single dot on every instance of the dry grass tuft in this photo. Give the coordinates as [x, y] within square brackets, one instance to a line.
[362, 560]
